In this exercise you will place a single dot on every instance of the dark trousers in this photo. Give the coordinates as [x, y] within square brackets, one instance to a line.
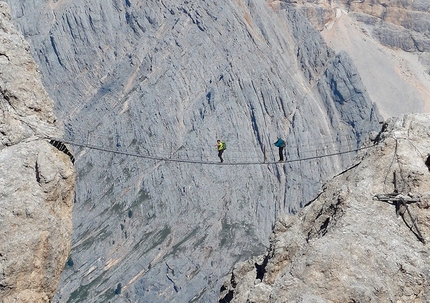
[281, 154]
[220, 155]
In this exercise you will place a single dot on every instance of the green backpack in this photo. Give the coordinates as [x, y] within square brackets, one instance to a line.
[224, 146]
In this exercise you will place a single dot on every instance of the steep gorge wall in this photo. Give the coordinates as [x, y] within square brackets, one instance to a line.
[388, 41]
[399, 24]
[37, 180]
[166, 79]
[356, 242]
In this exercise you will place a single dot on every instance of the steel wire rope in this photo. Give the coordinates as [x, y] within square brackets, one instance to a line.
[397, 161]
[233, 155]
[180, 156]
[389, 167]
[320, 142]
[191, 161]
[185, 153]
[395, 157]
[400, 168]
[136, 173]
[413, 145]
[305, 148]
[398, 192]
[236, 155]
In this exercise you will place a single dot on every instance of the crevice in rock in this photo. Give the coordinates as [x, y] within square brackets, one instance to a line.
[4, 286]
[118, 289]
[427, 162]
[8, 97]
[36, 168]
[56, 52]
[233, 281]
[37, 110]
[70, 262]
[227, 298]
[172, 271]
[261, 269]
[313, 200]
[349, 168]
[327, 216]
[4, 55]
[323, 227]
[63, 148]
[378, 137]
[230, 294]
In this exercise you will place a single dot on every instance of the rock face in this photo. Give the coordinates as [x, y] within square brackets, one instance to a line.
[398, 24]
[37, 180]
[347, 245]
[388, 42]
[163, 80]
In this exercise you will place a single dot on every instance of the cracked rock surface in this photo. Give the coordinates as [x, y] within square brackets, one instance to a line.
[37, 180]
[388, 42]
[349, 244]
[166, 79]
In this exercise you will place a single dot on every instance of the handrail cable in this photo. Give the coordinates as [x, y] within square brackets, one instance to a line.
[104, 149]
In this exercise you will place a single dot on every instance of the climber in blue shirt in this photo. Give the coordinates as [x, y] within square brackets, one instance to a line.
[280, 144]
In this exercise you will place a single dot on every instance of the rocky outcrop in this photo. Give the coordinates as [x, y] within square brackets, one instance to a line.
[399, 24]
[362, 240]
[388, 41]
[164, 80]
[37, 180]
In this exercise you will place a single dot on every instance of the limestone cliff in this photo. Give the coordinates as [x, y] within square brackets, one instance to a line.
[364, 239]
[167, 78]
[388, 41]
[37, 180]
[162, 80]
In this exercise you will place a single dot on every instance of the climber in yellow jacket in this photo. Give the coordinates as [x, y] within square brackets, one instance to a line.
[221, 147]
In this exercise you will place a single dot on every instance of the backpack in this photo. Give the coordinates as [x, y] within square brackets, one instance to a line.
[224, 146]
[280, 143]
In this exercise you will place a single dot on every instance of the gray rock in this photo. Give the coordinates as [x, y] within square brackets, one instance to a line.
[388, 42]
[348, 96]
[164, 80]
[348, 245]
[37, 180]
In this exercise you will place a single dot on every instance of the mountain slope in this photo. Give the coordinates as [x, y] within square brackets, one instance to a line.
[388, 43]
[353, 243]
[164, 80]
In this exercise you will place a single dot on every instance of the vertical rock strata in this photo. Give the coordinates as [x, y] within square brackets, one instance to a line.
[349, 244]
[165, 79]
[36, 179]
[388, 41]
